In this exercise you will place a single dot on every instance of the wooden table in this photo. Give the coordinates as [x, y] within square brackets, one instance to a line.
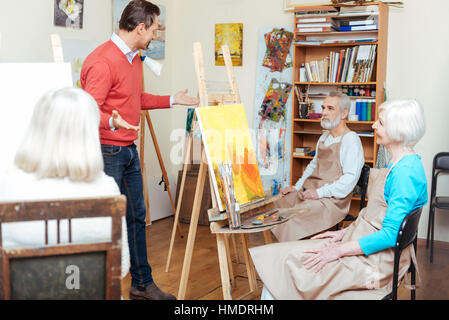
[222, 231]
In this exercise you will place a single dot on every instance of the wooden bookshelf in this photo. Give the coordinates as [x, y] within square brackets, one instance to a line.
[306, 132]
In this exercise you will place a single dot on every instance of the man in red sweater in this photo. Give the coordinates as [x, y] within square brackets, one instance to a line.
[112, 74]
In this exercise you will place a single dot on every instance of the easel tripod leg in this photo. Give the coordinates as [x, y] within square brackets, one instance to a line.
[192, 230]
[224, 271]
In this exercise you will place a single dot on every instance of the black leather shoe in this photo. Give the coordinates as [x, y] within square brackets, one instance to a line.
[150, 292]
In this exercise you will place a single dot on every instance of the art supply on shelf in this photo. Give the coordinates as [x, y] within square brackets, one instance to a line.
[303, 110]
[302, 74]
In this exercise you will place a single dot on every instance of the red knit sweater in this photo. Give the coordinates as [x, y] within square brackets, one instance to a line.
[117, 85]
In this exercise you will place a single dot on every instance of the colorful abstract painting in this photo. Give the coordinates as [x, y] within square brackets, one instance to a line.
[227, 138]
[273, 105]
[230, 34]
[273, 127]
[278, 43]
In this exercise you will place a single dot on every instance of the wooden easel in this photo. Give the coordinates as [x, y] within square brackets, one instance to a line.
[205, 100]
[145, 116]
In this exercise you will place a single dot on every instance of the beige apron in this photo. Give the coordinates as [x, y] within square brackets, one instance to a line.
[323, 213]
[280, 265]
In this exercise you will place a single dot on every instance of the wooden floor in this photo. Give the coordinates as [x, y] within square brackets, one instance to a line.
[205, 284]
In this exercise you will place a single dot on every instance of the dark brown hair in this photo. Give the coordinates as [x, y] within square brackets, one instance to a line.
[137, 12]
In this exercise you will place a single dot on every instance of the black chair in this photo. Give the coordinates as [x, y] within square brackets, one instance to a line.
[440, 166]
[361, 185]
[408, 234]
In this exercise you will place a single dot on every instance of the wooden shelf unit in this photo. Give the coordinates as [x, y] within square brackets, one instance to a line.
[305, 131]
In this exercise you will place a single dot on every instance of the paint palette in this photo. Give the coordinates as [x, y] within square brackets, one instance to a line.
[266, 219]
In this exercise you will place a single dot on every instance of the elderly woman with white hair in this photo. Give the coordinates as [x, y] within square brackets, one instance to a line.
[326, 185]
[60, 158]
[357, 262]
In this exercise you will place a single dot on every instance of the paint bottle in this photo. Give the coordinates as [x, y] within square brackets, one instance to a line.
[368, 91]
[302, 74]
[362, 91]
[350, 91]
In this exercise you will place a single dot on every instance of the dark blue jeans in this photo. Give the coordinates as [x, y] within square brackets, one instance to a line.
[123, 164]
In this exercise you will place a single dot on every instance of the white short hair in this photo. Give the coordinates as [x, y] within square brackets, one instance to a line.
[62, 139]
[344, 103]
[404, 121]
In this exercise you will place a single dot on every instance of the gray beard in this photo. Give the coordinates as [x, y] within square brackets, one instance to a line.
[330, 125]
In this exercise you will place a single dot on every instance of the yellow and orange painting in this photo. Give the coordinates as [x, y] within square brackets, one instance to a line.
[230, 34]
[227, 139]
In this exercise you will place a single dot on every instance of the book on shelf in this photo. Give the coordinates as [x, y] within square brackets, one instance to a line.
[365, 109]
[315, 25]
[357, 22]
[299, 154]
[336, 41]
[354, 64]
[316, 29]
[364, 61]
[309, 42]
[359, 28]
[359, 10]
[314, 20]
[316, 11]
[303, 149]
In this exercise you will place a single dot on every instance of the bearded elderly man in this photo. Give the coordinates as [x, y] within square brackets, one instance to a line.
[326, 185]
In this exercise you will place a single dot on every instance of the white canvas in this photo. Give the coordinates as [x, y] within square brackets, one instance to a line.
[21, 86]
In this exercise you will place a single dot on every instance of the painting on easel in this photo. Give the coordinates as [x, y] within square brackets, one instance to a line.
[227, 138]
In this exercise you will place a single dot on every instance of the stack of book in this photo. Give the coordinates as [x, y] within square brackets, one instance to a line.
[359, 10]
[302, 151]
[365, 109]
[353, 64]
[316, 11]
[317, 24]
[315, 19]
[358, 24]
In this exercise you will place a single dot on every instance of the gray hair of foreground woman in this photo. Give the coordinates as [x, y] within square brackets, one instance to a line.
[404, 121]
[62, 139]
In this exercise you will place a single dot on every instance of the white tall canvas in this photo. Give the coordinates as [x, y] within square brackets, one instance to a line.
[21, 86]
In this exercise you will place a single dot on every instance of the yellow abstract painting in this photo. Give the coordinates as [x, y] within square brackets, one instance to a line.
[230, 34]
[227, 138]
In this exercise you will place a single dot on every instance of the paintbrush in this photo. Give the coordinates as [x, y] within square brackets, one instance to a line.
[298, 94]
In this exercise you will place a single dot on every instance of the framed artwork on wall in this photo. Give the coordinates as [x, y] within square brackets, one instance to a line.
[230, 34]
[68, 13]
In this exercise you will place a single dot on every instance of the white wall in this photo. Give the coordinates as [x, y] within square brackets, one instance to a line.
[26, 26]
[418, 68]
[417, 60]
